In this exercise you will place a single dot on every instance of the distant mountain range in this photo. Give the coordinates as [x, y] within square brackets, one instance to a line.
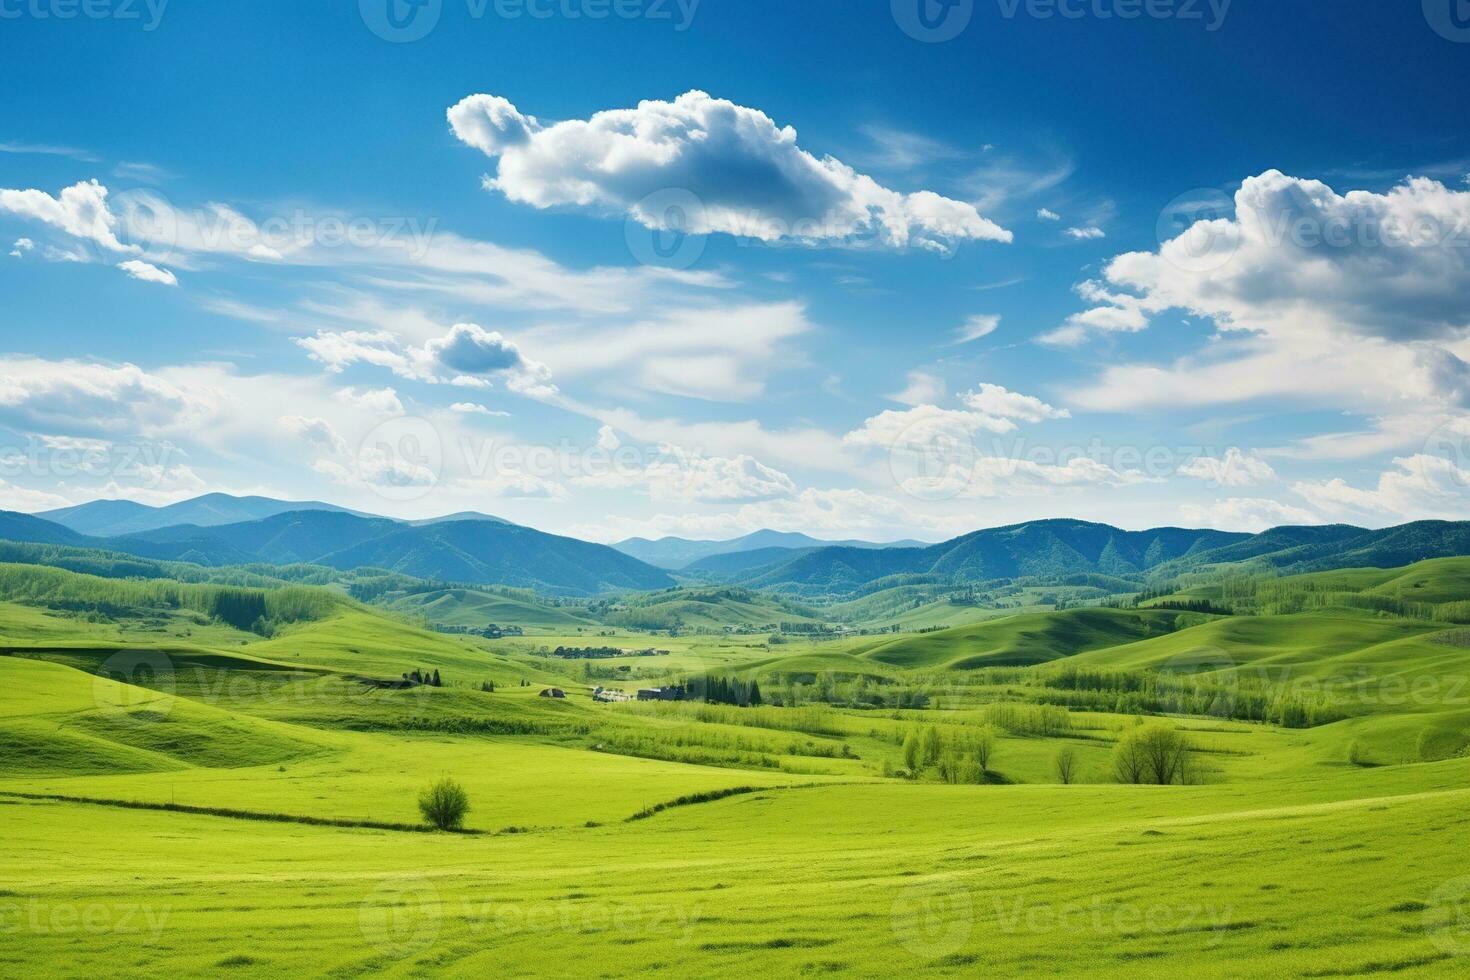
[108, 518]
[677, 553]
[1067, 547]
[469, 551]
[474, 548]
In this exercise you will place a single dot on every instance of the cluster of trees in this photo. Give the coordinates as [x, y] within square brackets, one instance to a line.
[954, 757]
[1225, 693]
[1154, 754]
[257, 610]
[424, 678]
[586, 653]
[725, 690]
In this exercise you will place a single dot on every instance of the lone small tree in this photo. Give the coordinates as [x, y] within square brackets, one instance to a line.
[444, 804]
[984, 748]
[1067, 765]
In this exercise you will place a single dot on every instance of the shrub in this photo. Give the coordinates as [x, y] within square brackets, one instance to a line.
[445, 804]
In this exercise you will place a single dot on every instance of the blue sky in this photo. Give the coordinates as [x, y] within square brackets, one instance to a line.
[706, 267]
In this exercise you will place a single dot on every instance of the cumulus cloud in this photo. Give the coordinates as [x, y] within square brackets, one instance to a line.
[1046, 214]
[1300, 258]
[147, 272]
[1419, 487]
[468, 355]
[1000, 402]
[923, 426]
[1234, 469]
[378, 401]
[79, 210]
[22, 246]
[989, 408]
[1085, 233]
[1250, 514]
[922, 388]
[736, 172]
[1347, 283]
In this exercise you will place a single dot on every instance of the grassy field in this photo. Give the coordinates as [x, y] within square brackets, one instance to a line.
[186, 796]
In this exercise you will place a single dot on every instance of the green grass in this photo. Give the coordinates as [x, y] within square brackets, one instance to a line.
[1026, 638]
[476, 608]
[249, 798]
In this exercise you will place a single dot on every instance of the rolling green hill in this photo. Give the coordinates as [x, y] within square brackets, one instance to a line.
[256, 788]
[710, 608]
[473, 608]
[1028, 638]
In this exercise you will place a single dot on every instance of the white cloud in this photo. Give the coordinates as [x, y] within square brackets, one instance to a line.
[79, 210]
[924, 426]
[1003, 403]
[977, 326]
[1085, 233]
[79, 397]
[472, 408]
[675, 474]
[717, 354]
[834, 513]
[1420, 487]
[1250, 514]
[378, 401]
[1365, 289]
[1046, 214]
[27, 500]
[318, 432]
[22, 246]
[739, 174]
[147, 272]
[920, 428]
[922, 388]
[466, 355]
[1363, 376]
[1234, 469]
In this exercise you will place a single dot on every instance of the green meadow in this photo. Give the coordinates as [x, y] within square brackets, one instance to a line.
[204, 779]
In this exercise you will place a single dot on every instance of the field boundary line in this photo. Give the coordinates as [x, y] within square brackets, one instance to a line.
[209, 811]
